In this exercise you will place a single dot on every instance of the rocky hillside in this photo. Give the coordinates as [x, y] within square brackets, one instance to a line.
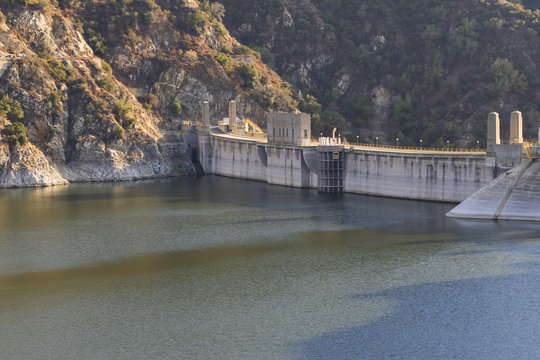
[97, 90]
[421, 69]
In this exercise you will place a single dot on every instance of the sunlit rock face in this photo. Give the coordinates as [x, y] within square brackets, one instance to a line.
[86, 120]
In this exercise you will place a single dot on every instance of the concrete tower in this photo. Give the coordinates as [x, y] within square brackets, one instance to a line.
[232, 116]
[516, 128]
[206, 116]
[493, 132]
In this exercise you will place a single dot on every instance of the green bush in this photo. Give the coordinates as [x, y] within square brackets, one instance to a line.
[150, 101]
[176, 108]
[247, 75]
[15, 133]
[55, 102]
[310, 105]
[195, 21]
[11, 108]
[122, 108]
[105, 66]
[219, 28]
[358, 108]
[221, 58]
[505, 78]
[106, 83]
[57, 70]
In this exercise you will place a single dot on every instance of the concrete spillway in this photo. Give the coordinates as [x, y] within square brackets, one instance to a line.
[515, 195]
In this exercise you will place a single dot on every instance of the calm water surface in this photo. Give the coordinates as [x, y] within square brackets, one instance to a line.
[215, 268]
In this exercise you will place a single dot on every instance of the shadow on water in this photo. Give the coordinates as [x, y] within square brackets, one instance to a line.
[485, 317]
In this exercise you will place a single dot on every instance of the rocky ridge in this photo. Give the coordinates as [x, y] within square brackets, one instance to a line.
[86, 120]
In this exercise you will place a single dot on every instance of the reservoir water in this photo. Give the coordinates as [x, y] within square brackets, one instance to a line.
[216, 268]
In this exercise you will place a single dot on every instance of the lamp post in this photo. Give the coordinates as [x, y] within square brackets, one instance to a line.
[477, 144]
[377, 140]
[356, 139]
[420, 143]
[448, 144]
[397, 141]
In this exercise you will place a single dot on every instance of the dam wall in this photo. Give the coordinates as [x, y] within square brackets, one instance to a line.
[449, 177]
[436, 176]
[238, 158]
[286, 166]
[249, 159]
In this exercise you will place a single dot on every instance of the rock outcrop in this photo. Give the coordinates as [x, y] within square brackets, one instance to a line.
[86, 120]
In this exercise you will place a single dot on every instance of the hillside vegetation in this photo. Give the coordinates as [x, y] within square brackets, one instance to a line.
[412, 70]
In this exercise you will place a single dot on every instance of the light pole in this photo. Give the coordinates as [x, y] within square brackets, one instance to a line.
[477, 144]
[397, 141]
[356, 139]
[420, 143]
[377, 140]
[448, 144]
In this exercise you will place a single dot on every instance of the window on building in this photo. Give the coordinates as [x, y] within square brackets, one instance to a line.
[292, 133]
[279, 132]
[305, 133]
[287, 132]
[274, 132]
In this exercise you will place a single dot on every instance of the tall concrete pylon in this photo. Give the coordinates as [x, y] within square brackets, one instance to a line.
[516, 128]
[493, 132]
[206, 116]
[232, 116]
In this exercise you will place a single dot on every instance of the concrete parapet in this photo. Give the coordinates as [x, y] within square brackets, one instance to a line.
[508, 155]
[516, 128]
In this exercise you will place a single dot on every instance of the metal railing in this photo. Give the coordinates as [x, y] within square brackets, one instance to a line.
[532, 149]
[477, 150]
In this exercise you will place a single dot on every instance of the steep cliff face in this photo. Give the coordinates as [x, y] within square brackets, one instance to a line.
[67, 115]
[415, 70]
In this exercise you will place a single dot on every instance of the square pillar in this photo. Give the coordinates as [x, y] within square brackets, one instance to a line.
[493, 132]
[232, 116]
[516, 128]
[206, 116]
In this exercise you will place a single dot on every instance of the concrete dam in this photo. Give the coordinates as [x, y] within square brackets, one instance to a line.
[502, 182]
[287, 156]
